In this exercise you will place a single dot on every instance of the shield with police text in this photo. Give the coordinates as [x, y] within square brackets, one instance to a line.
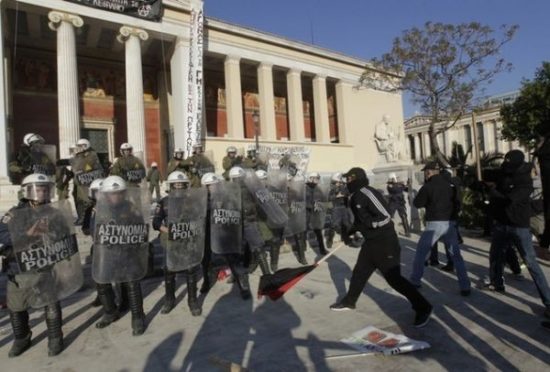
[317, 204]
[296, 207]
[225, 218]
[186, 224]
[121, 236]
[46, 251]
[44, 158]
[86, 168]
[275, 215]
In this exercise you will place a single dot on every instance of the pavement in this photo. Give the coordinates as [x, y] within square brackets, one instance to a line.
[486, 331]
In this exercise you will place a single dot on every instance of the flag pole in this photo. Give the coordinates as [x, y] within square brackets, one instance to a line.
[326, 257]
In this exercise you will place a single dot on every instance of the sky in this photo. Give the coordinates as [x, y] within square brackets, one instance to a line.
[366, 28]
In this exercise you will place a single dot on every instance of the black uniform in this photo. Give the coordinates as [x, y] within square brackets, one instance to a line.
[396, 202]
[191, 275]
[21, 286]
[381, 249]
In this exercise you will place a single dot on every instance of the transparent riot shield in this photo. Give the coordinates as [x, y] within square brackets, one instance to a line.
[46, 251]
[86, 168]
[186, 228]
[296, 207]
[44, 158]
[121, 236]
[134, 171]
[264, 199]
[205, 163]
[225, 218]
[318, 205]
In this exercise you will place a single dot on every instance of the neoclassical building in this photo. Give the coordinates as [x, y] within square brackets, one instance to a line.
[73, 71]
[488, 127]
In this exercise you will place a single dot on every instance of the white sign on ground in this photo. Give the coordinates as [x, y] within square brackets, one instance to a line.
[371, 340]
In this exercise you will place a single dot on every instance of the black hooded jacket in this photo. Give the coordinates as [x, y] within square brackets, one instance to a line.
[510, 202]
[438, 196]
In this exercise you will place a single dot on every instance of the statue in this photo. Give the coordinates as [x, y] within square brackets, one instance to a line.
[386, 140]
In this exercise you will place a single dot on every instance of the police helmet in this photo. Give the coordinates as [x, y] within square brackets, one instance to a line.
[177, 177]
[261, 174]
[82, 145]
[392, 177]
[125, 147]
[113, 184]
[313, 177]
[94, 188]
[154, 164]
[178, 153]
[337, 177]
[32, 138]
[31, 185]
[231, 149]
[236, 172]
[209, 179]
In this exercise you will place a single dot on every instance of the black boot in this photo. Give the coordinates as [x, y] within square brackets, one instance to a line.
[124, 304]
[275, 249]
[253, 261]
[242, 280]
[55, 334]
[169, 297]
[301, 248]
[330, 238]
[192, 299]
[21, 333]
[106, 296]
[320, 241]
[208, 279]
[96, 302]
[135, 299]
[406, 226]
[262, 258]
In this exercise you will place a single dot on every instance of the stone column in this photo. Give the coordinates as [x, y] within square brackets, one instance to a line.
[342, 89]
[320, 104]
[268, 127]
[67, 79]
[295, 105]
[135, 110]
[417, 148]
[427, 146]
[233, 97]
[179, 67]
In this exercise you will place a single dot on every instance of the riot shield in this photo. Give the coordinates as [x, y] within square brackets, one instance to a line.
[186, 228]
[205, 163]
[225, 218]
[44, 158]
[296, 207]
[121, 238]
[86, 169]
[46, 251]
[278, 188]
[319, 205]
[276, 216]
[135, 172]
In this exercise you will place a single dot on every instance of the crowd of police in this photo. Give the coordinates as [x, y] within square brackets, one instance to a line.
[206, 222]
[238, 220]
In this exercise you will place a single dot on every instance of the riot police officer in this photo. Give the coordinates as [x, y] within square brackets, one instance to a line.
[340, 217]
[31, 159]
[120, 249]
[230, 160]
[86, 167]
[223, 240]
[396, 201]
[254, 244]
[315, 209]
[184, 257]
[199, 165]
[128, 167]
[251, 160]
[38, 279]
[177, 163]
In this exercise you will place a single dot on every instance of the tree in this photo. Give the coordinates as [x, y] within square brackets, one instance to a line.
[528, 121]
[443, 66]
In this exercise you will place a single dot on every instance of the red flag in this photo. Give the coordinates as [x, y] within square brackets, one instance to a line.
[275, 285]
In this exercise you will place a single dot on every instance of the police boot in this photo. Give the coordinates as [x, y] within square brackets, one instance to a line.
[330, 238]
[124, 304]
[320, 242]
[192, 299]
[301, 248]
[242, 281]
[406, 227]
[54, 323]
[21, 333]
[208, 280]
[275, 249]
[262, 259]
[106, 295]
[135, 298]
[169, 297]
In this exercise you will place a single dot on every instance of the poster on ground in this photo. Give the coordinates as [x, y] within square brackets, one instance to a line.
[371, 340]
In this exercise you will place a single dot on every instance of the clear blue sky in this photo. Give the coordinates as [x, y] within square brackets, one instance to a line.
[366, 28]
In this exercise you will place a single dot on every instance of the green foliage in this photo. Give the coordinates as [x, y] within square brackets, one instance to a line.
[471, 215]
[528, 118]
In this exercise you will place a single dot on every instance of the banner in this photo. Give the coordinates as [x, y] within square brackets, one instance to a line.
[150, 10]
[278, 156]
[371, 340]
[193, 126]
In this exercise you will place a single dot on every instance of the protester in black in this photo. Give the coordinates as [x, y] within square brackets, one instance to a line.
[381, 249]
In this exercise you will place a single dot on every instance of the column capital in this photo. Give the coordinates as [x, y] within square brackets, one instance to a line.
[294, 71]
[126, 32]
[265, 65]
[320, 77]
[230, 58]
[57, 17]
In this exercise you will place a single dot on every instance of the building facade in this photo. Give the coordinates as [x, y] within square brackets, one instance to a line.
[73, 71]
[488, 129]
